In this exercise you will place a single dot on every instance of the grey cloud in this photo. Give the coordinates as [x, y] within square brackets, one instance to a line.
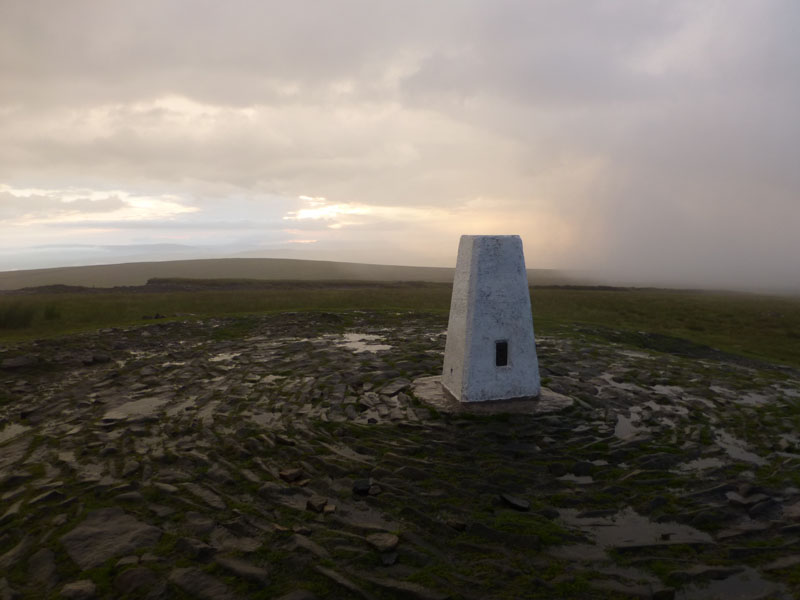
[12, 207]
[663, 133]
[180, 225]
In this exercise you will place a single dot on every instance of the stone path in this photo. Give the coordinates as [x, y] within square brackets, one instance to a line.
[294, 456]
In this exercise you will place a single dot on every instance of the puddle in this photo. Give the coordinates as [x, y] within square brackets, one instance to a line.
[791, 392]
[579, 479]
[628, 529]
[701, 464]
[736, 448]
[626, 428]
[142, 354]
[12, 431]
[362, 342]
[636, 354]
[747, 585]
[668, 390]
[137, 408]
[628, 387]
[677, 409]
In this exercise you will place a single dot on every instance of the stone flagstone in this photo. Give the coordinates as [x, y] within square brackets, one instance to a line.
[107, 533]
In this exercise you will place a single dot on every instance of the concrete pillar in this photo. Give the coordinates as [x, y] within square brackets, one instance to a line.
[490, 352]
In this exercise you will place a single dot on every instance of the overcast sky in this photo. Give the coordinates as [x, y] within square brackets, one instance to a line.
[651, 140]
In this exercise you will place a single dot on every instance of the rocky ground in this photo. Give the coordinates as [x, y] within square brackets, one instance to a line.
[289, 456]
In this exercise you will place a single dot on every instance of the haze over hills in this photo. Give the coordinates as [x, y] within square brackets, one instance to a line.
[137, 273]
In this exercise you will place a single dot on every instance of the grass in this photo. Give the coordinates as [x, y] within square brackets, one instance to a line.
[755, 326]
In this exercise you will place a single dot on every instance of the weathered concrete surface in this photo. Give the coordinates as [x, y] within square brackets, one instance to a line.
[430, 391]
[490, 307]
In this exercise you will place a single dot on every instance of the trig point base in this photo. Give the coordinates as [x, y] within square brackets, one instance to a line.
[490, 352]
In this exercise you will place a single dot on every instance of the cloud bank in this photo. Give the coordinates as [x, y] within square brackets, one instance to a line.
[649, 141]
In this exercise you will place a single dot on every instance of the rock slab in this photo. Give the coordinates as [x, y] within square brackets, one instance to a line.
[107, 533]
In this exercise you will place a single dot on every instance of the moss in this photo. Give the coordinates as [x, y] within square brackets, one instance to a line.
[530, 523]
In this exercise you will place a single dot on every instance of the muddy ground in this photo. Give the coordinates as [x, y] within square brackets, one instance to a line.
[293, 456]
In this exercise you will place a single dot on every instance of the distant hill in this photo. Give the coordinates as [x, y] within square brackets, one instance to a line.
[128, 274]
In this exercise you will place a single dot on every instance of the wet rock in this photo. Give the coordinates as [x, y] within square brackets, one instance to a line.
[583, 468]
[206, 495]
[747, 584]
[137, 582]
[85, 589]
[194, 548]
[42, 568]
[242, 568]
[220, 475]
[548, 513]
[224, 539]
[515, 502]
[129, 467]
[48, 496]
[298, 595]
[737, 499]
[304, 543]
[7, 592]
[20, 362]
[201, 585]
[15, 554]
[198, 524]
[395, 386]
[127, 561]
[388, 559]
[404, 589]
[107, 533]
[659, 461]
[100, 358]
[166, 488]
[383, 542]
[316, 504]
[291, 475]
[710, 517]
[557, 469]
[411, 473]
[655, 503]
[11, 513]
[132, 497]
[784, 562]
[503, 538]
[700, 572]
[762, 508]
[342, 581]
[361, 487]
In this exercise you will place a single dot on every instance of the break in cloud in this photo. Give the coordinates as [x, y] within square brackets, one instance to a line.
[654, 141]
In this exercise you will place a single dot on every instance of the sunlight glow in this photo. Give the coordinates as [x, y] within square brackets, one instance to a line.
[56, 206]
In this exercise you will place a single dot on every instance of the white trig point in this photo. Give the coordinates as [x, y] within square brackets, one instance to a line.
[490, 352]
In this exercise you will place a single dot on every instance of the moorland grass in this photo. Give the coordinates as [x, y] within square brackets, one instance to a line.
[756, 326]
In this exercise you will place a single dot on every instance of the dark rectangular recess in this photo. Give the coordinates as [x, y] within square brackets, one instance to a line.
[501, 353]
